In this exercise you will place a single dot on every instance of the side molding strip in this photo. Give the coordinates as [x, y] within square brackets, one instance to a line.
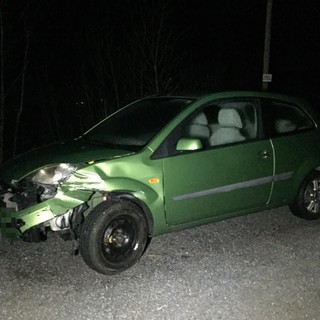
[235, 186]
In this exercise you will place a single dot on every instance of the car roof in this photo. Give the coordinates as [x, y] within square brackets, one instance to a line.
[226, 94]
[206, 96]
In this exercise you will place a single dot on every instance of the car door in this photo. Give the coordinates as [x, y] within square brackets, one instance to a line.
[231, 173]
[293, 137]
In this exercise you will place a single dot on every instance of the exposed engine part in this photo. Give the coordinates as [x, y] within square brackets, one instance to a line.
[72, 220]
[25, 194]
[46, 192]
[68, 225]
[6, 198]
[61, 222]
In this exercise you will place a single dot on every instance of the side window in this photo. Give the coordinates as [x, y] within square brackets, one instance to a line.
[285, 118]
[222, 123]
[236, 121]
[226, 122]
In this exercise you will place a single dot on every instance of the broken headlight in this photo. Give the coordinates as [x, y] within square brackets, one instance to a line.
[53, 174]
[38, 186]
[48, 179]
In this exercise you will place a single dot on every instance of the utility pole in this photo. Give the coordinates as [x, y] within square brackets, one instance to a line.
[267, 77]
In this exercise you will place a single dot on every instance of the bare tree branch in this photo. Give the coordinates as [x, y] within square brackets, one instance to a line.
[21, 105]
[2, 94]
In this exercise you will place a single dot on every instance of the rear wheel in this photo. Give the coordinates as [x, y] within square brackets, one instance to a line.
[113, 237]
[307, 203]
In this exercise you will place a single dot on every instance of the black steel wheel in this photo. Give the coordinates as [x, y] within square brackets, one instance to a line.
[114, 236]
[307, 203]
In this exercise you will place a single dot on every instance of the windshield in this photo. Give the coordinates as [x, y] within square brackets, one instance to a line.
[134, 126]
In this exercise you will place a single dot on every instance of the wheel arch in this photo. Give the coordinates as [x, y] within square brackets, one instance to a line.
[307, 206]
[304, 171]
[144, 208]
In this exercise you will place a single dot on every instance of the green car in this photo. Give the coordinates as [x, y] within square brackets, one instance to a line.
[161, 164]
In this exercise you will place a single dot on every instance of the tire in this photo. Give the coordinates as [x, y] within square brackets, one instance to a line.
[113, 237]
[307, 202]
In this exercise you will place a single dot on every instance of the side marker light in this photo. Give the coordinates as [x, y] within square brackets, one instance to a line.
[154, 180]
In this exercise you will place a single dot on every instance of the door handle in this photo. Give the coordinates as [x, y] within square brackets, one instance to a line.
[264, 154]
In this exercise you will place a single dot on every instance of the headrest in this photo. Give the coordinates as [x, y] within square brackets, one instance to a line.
[284, 125]
[200, 119]
[229, 118]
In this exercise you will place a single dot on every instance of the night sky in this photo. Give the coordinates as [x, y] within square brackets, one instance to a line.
[220, 38]
[86, 59]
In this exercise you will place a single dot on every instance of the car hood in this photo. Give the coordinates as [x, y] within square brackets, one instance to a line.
[75, 152]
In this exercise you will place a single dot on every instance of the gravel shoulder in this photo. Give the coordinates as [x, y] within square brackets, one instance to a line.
[260, 266]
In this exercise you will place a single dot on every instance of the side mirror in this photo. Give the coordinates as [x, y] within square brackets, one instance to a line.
[189, 144]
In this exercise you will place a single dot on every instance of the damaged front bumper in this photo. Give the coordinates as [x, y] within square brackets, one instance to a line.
[30, 223]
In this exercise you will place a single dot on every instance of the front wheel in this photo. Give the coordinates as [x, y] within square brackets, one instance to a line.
[307, 203]
[113, 237]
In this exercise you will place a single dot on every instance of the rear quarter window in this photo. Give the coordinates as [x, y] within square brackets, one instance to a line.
[284, 118]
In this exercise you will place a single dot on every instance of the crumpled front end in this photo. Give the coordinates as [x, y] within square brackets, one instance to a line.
[36, 193]
[28, 209]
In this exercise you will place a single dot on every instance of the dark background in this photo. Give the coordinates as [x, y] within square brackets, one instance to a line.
[67, 64]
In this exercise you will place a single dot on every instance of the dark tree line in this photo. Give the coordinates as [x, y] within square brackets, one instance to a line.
[56, 83]
[15, 28]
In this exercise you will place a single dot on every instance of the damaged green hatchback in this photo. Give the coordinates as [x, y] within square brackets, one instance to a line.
[161, 164]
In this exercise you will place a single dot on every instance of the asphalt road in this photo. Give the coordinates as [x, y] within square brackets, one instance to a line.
[261, 266]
